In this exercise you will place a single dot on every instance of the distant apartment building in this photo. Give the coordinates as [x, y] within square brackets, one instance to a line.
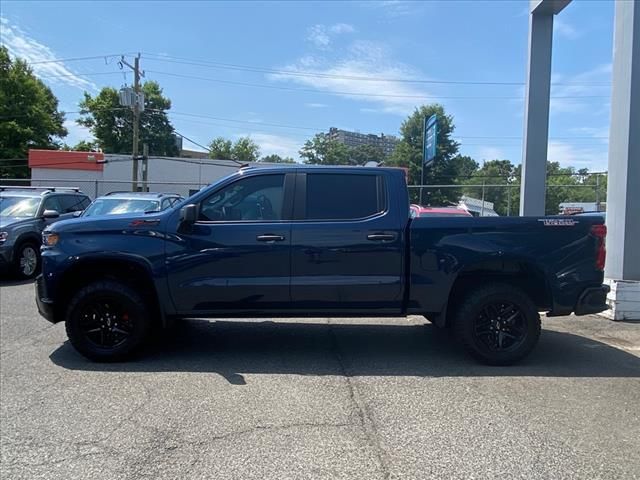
[387, 143]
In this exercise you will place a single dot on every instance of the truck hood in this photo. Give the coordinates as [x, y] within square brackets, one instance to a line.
[6, 221]
[107, 222]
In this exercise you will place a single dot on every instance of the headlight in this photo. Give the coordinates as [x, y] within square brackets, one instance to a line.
[3, 236]
[49, 239]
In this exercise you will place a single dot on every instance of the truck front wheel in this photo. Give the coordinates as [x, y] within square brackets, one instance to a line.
[498, 324]
[107, 321]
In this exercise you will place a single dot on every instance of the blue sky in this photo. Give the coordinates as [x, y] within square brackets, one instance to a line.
[352, 45]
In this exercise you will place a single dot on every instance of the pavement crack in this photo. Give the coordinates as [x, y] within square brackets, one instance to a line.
[248, 431]
[365, 418]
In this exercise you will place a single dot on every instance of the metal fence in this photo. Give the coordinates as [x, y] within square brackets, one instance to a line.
[588, 189]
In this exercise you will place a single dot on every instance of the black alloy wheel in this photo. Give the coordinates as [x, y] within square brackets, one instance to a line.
[500, 326]
[498, 323]
[107, 321]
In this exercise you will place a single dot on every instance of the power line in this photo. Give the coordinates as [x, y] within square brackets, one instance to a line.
[88, 74]
[192, 141]
[358, 94]
[249, 68]
[74, 59]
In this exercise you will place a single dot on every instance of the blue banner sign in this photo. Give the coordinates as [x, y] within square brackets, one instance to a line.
[430, 142]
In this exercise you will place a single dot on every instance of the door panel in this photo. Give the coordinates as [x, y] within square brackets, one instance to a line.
[241, 260]
[346, 264]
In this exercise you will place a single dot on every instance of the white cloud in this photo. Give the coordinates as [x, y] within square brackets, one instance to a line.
[564, 29]
[591, 83]
[577, 156]
[77, 133]
[398, 8]
[23, 46]
[339, 28]
[316, 105]
[278, 144]
[350, 76]
[322, 35]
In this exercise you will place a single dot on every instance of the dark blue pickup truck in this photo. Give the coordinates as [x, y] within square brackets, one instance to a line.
[317, 242]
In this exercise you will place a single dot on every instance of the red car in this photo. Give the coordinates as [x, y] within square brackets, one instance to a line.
[420, 211]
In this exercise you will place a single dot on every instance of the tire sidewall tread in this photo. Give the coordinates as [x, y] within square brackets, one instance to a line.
[468, 309]
[18, 255]
[127, 349]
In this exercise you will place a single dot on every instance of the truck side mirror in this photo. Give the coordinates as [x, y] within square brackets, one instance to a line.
[47, 214]
[189, 214]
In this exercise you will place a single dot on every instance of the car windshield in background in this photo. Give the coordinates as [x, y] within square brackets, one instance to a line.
[19, 206]
[119, 206]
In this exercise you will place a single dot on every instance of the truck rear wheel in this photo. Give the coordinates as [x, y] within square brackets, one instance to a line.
[107, 321]
[498, 324]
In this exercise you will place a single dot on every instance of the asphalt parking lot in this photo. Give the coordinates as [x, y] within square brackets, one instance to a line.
[315, 399]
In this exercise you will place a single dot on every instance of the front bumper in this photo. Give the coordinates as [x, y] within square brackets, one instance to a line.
[44, 303]
[592, 300]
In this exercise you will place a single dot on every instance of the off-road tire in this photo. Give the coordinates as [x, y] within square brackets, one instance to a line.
[470, 317]
[103, 304]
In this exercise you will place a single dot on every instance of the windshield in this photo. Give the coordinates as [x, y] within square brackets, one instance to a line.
[19, 206]
[118, 206]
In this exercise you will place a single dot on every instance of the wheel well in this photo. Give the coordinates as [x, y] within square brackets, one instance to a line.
[20, 241]
[85, 272]
[28, 238]
[522, 275]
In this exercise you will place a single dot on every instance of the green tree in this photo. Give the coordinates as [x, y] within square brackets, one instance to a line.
[274, 158]
[85, 146]
[220, 148]
[362, 154]
[496, 172]
[245, 150]
[566, 184]
[408, 154]
[29, 115]
[322, 150]
[112, 124]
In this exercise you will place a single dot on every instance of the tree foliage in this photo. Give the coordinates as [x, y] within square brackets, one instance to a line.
[243, 150]
[112, 124]
[362, 154]
[323, 150]
[275, 158]
[220, 148]
[564, 184]
[29, 113]
[505, 198]
[246, 150]
[444, 170]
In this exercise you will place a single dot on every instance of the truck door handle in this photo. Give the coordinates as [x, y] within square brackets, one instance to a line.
[381, 237]
[270, 238]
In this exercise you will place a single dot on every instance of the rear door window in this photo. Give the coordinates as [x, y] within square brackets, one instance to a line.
[53, 203]
[71, 203]
[339, 196]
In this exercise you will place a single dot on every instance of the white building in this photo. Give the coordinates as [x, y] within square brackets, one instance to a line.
[97, 173]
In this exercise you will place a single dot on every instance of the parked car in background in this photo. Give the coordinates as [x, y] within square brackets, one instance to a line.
[117, 203]
[420, 211]
[24, 213]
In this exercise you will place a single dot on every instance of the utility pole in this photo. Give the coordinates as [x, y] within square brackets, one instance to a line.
[136, 121]
[138, 99]
[145, 167]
